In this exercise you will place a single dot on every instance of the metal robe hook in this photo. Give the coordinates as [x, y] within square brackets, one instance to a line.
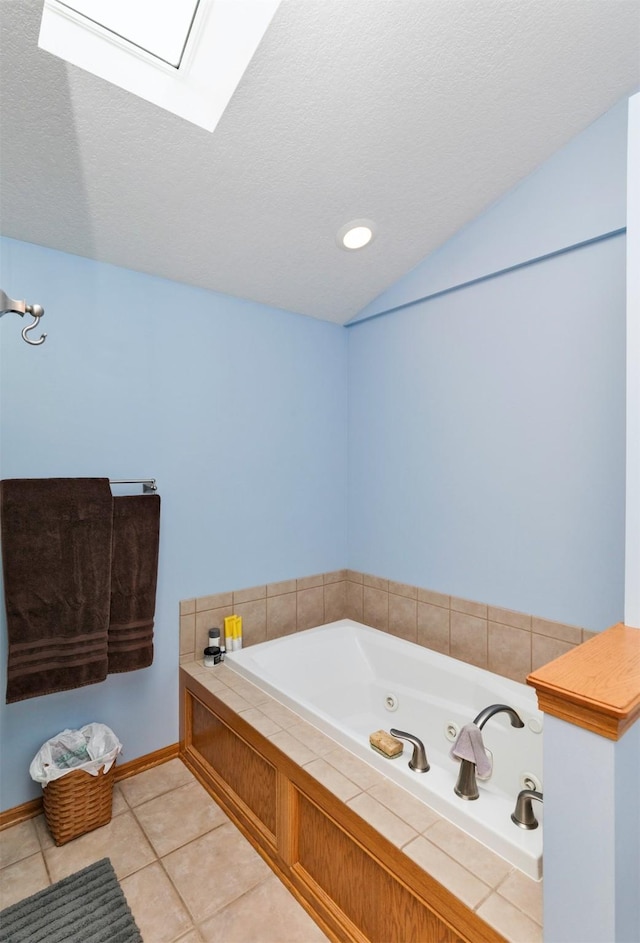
[37, 311]
[8, 305]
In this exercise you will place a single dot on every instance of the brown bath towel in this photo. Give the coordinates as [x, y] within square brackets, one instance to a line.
[134, 569]
[56, 551]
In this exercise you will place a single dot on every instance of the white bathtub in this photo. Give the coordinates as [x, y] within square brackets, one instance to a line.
[350, 680]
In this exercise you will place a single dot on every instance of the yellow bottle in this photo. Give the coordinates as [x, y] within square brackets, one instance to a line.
[229, 626]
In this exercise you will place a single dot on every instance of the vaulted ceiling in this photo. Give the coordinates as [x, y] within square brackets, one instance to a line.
[416, 114]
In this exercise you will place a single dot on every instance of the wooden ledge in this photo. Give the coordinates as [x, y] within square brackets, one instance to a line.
[596, 685]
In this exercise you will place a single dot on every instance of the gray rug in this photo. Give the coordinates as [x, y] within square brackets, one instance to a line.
[86, 907]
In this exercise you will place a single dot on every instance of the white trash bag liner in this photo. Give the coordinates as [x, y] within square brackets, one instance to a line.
[88, 749]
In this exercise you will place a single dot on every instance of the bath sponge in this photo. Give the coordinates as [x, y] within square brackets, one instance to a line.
[383, 743]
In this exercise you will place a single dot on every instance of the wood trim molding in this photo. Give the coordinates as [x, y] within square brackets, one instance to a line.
[29, 810]
[148, 761]
[20, 813]
[596, 685]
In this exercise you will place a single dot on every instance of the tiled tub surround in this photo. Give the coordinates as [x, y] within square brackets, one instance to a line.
[504, 641]
[502, 896]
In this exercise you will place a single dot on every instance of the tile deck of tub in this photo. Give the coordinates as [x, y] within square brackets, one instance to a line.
[502, 895]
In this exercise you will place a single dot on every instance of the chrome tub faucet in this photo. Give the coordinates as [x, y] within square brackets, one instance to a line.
[488, 712]
[466, 786]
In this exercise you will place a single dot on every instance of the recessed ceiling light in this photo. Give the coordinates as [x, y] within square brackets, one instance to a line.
[356, 235]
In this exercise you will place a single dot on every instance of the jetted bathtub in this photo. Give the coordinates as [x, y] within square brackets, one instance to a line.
[350, 680]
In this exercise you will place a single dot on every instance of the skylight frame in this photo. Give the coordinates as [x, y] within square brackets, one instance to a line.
[159, 47]
[223, 38]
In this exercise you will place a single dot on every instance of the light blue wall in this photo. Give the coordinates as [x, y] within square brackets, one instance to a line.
[578, 194]
[591, 835]
[237, 410]
[486, 427]
[579, 835]
[627, 861]
[486, 449]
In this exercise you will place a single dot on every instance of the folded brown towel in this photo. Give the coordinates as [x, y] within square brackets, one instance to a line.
[56, 551]
[134, 571]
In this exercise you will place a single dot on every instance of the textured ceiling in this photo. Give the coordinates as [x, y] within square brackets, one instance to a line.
[416, 114]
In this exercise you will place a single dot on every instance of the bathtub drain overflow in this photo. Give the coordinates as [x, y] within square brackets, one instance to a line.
[391, 702]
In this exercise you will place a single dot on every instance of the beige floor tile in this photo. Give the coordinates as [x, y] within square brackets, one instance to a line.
[155, 905]
[214, 870]
[153, 782]
[122, 840]
[22, 879]
[119, 803]
[44, 835]
[266, 914]
[178, 817]
[19, 841]
[193, 936]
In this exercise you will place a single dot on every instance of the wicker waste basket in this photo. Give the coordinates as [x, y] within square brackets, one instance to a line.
[77, 771]
[78, 803]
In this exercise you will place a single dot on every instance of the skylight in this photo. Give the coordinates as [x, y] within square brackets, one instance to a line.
[188, 60]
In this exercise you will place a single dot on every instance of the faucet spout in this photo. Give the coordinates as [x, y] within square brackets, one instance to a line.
[493, 709]
[466, 786]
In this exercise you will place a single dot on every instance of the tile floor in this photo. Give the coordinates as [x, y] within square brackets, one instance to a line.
[187, 872]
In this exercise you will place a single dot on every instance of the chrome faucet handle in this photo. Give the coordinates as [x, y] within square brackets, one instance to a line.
[418, 761]
[523, 815]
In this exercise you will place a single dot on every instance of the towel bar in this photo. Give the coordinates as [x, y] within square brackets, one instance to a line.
[149, 485]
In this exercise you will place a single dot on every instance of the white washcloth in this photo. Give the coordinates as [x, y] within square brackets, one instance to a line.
[469, 746]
